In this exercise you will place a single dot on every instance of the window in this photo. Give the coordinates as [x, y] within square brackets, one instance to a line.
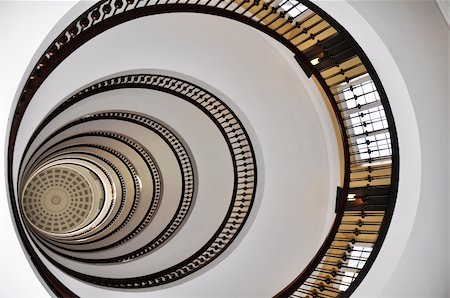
[357, 259]
[361, 100]
[293, 7]
[378, 145]
[369, 120]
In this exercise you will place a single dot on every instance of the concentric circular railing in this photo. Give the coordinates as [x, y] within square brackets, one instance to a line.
[322, 48]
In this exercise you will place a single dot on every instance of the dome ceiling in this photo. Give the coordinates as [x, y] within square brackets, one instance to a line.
[59, 199]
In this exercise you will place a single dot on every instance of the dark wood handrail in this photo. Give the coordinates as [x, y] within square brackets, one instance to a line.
[321, 51]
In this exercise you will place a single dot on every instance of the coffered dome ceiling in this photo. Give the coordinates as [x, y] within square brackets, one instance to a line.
[59, 199]
[157, 145]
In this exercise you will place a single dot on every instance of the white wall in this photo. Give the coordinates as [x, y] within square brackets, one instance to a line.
[19, 41]
[418, 38]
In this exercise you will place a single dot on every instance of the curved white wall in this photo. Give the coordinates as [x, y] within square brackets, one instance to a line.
[417, 36]
[15, 54]
[408, 43]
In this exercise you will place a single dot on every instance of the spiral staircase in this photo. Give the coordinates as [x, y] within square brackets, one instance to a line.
[143, 156]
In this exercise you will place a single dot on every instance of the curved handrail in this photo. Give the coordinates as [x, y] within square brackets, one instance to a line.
[242, 158]
[323, 49]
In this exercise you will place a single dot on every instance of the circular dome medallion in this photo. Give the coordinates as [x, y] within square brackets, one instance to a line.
[56, 200]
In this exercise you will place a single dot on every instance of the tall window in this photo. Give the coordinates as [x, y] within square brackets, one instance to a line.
[366, 117]
[358, 257]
